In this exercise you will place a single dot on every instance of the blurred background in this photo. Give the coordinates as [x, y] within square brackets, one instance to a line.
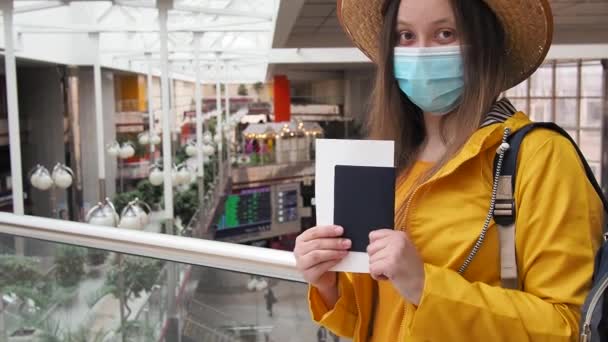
[157, 157]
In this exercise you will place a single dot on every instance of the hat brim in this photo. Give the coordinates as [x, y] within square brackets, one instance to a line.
[528, 25]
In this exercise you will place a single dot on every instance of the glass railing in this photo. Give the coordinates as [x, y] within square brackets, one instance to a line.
[142, 286]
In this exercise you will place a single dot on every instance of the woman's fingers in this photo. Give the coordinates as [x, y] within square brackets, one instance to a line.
[380, 254]
[376, 246]
[324, 243]
[320, 232]
[379, 234]
[315, 272]
[316, 257]
[379, 269]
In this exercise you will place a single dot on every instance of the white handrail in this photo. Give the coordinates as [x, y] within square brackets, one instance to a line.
[215, 254]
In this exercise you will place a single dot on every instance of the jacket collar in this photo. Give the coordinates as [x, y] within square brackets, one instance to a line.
[501, 111]
[501, 116]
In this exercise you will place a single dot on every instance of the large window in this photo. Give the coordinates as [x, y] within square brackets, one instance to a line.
[570, 93]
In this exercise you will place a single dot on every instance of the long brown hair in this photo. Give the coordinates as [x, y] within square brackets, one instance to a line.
[394, 117]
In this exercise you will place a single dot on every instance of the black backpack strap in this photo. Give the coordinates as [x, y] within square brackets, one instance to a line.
[504, 210]
[509, 166]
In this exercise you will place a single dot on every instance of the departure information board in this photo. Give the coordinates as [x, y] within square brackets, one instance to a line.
[245, 211]
[257, 213]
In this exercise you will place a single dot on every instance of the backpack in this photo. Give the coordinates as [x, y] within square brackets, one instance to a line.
[594, 315]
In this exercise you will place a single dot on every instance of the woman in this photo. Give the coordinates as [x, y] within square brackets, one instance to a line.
[441, 66]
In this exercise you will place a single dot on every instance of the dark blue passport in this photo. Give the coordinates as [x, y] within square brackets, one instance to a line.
[364, 201]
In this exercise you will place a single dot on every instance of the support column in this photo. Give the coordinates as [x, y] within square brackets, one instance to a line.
[282, 99]
[99, 126]
[166, 124]
[172, 334]
[228, 137]
[219, 125]
[14, 134]
[151, 122]
[13, 108]
[199, 130]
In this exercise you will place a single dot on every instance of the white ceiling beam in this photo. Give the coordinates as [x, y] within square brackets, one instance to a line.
[39, 7]
[226, 12]
[316, 55]
[94, 29]
[257, 53]
[140, 4]
[187, 59]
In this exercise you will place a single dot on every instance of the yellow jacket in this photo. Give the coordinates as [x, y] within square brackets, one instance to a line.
[558, 230]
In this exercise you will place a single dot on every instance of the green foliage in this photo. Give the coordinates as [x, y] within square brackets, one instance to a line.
[180, 156]
[186, 203]
[121, 200]
[18, 271]
[69, 262]
[258, 87]
[242, 91]
[96, 257]
[22, 278]
[149, 193]
[140, 274]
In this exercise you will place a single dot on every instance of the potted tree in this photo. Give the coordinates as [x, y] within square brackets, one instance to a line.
[69, 265]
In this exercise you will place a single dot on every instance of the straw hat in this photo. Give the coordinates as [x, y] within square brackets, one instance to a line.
[528, 25]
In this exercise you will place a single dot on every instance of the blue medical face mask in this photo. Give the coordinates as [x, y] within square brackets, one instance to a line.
[432, 78]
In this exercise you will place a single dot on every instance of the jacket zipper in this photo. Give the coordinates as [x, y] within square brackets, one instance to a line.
[586, 331]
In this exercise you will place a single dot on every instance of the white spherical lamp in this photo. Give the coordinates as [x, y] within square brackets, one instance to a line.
[126, 151]
[156, 176]
[130, 218]
[207, 138]
[208, 150]
[155, 139]
[62, 176]
[114, 149]
[102, 214]
[45, 181]
[143, 138]
[190, 150]
[184, 176]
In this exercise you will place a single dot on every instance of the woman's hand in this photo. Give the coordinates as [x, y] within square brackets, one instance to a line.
[317, 250]
[392, 256]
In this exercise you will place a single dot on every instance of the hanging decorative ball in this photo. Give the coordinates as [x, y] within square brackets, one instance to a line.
[42, 179]
[114, 149]
[102, 214]
[208, 150]
[34, 180]
[126, 151]
[155, 139]
[62, 176]
[184, 176]
[130, 218]
[190, 150]
[143, 138]
[143, 215]
[207, 138]
[233, 160]
[217, 138]
[156, 176]
[35, 176]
